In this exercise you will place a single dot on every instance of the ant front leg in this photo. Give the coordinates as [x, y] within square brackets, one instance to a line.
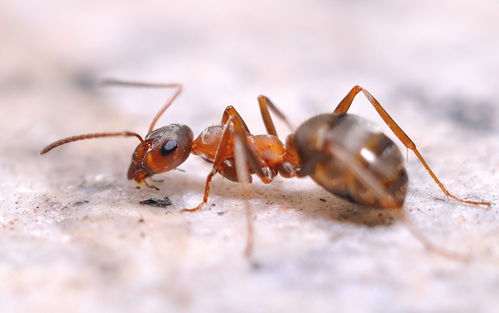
[235, 129]
[233, 123]
[220, 157]
[345, 104]
[150, 186]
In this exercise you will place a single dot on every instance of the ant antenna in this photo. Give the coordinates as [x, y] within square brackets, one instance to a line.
[66, 140]
[123, 83]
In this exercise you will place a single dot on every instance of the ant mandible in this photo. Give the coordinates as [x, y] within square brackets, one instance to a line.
[339, 151]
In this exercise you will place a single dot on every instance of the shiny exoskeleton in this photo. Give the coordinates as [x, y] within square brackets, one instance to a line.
[341, 152]
[349, 158]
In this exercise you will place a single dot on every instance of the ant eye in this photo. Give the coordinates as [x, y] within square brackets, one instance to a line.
[169, 147]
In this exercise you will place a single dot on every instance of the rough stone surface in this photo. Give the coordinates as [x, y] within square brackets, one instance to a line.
[74, 238]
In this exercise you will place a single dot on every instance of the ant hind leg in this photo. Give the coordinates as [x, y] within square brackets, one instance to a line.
[345, 104]
[265, 103]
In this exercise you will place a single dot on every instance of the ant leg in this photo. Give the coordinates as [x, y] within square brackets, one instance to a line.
[234, 123]
[156, 180]
[244, 178]
[265, 104]
[150, 186]
[207, 188]
[256, 163]
[169, 101]
[247, 161]
[288, 168]
[220, 156]
[345, 104]
[231, 112]
[416, 233]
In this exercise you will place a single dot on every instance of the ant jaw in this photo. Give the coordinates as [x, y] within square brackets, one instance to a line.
[137, 173]
[140, 175]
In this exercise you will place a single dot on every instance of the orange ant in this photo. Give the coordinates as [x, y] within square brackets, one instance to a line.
[339, 151]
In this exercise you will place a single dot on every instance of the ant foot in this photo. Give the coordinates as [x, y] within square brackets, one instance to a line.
[194, 209]
[485, 203]
[151, 186]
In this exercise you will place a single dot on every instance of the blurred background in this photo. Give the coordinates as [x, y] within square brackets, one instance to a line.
[74, 238]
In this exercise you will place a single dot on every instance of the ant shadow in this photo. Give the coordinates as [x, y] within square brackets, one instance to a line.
[314, 202]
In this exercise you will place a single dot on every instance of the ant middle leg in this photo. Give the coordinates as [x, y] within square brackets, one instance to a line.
[345, 104]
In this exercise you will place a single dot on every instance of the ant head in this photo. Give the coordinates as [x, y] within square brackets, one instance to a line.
[162, 150]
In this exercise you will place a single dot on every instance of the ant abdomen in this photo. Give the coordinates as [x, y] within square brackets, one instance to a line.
[352, 159]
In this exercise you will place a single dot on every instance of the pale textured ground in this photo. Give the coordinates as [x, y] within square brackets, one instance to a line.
[73, 237]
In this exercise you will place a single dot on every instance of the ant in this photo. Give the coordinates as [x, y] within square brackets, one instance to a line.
[341, 152]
